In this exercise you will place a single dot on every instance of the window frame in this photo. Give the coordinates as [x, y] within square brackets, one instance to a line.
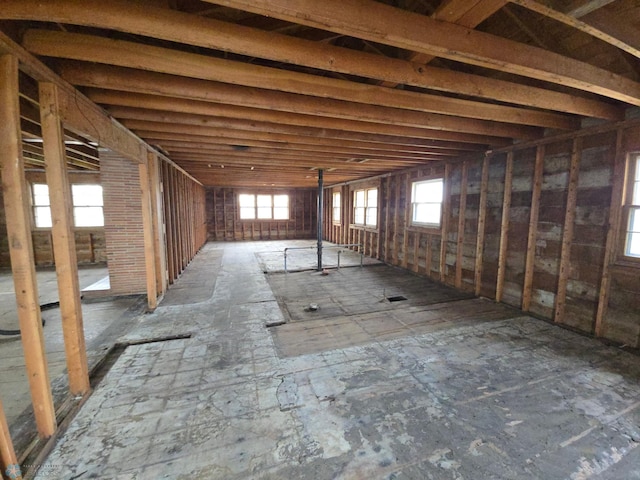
[629, 208]
[412, 204]
[256, 207]
[336, 208]
[35, 206]
[76, 206]
[366, 207]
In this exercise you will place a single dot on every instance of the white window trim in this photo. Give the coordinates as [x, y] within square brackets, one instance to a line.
[413, 204]
[631, 205]
[366, 207]
[273, 208]
[336, 207]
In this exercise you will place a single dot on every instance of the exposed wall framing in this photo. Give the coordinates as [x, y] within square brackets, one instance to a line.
[223, 218]
[535, 226]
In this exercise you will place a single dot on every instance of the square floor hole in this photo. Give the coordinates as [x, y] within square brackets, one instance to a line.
[397, 298]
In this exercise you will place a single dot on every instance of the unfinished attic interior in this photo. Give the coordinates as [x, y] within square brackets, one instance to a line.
[268, 239]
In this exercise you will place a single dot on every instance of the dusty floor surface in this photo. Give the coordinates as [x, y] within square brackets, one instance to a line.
[102, 321]
[443, 396]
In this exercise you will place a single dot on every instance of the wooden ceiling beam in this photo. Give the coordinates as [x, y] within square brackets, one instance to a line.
[234, 143]
[222, 164]
[573, 22]
[332, 111]
[579, 11]
[149, 128]
[279, 155]
[461, 12]
[314, 90]
[154, 102]
[382, 23]
[468, 13]
[130, 80]
[188, 29]
[128, 114]
[78, 114]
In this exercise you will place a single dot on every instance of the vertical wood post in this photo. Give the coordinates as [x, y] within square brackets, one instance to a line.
[462, 213]
[64, 244]
[396, 222]
[567, 234]
[482, 220]
[320, 213]
[504, 227]
[18, 218]
[387, 216]
[157, 215]
[168, 222]
[527, 289]
[8, 459]
[613, 227]
[407, 220]
[149, 237]
[446, 209]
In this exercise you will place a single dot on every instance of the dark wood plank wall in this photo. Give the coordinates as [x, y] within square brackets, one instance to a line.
[223, 218]
[541, 247]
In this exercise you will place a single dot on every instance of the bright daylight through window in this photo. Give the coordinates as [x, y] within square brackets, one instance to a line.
[365, 207]
[632, 207]
[87, 205]
[426, 202]
[263, 207]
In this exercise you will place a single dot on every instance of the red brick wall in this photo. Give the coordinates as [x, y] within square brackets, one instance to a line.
[123, 224]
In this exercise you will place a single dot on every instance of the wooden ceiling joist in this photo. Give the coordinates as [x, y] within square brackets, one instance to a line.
[154, 102]
[325, 112]
[314, 90]
[234, 144]
[187, 29]
[78, 113]
[388, 25]
[125, 79]
[149, 129]
[573, 22]
[131, 114]
[280, 154]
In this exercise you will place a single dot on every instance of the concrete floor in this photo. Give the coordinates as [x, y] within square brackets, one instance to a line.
[452, 388]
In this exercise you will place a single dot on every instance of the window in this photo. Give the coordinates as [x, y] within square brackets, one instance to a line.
[426, 202]
[263, 207]
[632, 209]
[87, 205]
[336, 207]
[41, 205]
[365, 207]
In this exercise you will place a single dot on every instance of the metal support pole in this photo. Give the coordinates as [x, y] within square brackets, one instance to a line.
[320, 214]
[339, 252]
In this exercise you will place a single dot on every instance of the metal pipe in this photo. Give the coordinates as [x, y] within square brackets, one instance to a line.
[323, 247]
[320, 214]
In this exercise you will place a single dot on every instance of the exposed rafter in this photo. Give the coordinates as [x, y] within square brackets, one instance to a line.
[121, 53]
[188, 29]
[573, 22]
[381, 23]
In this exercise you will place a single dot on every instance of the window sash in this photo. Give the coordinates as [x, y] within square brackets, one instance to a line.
[336, 208]
[365, 207]
[632, 207]
[426, 202]
[263, 206]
